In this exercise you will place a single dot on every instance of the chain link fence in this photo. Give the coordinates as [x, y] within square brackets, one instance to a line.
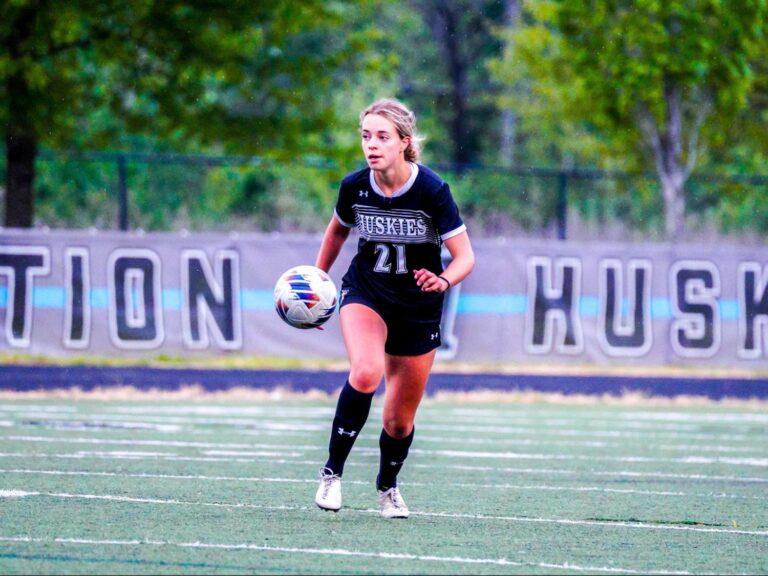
[152, 191]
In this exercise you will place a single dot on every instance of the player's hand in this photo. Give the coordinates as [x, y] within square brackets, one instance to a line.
[428, 281]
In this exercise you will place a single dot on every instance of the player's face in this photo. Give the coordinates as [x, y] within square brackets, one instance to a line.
[382, 145]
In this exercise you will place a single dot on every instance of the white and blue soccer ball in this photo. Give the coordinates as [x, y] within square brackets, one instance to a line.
[305, 297]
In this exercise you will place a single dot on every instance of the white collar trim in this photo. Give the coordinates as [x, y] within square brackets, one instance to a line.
[407, 186]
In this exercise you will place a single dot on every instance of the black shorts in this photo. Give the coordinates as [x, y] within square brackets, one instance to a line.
[406, 335]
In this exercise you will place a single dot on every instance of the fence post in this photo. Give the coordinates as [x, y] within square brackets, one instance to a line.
[562, 205]
[122, 193]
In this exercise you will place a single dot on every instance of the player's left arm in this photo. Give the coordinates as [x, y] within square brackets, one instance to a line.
[461, 265]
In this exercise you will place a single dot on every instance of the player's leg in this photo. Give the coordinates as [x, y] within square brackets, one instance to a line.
[406, 378]
[364, 335]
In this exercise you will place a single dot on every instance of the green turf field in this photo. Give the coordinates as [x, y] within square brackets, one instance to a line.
[227, 487]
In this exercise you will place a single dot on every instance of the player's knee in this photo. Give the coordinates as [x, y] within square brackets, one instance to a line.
[366, 377]
[398, 427]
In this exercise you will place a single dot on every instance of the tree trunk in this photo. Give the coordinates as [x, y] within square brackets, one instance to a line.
[667, 146]
[673, 176]
[457, 72]
[673, 189]
[21, 152]
[20, 135]
[443, 21]
[512, 9]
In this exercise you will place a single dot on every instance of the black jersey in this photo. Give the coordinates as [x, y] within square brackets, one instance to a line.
[398, 234]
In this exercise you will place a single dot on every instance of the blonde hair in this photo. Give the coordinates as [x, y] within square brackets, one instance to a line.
[404, 121]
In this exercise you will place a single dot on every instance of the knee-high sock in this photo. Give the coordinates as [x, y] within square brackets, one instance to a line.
[351, 413]
[394, 451]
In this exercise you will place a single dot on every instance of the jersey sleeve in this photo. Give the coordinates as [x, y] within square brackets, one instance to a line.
[343, 211]
[446, 215]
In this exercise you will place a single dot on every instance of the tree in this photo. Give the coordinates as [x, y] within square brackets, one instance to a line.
[259, 74]
[443, 48]
[647, 77]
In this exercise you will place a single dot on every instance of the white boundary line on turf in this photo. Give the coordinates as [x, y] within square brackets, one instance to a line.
[637, 416]
[498, 486]
[556, 427]
[422, 438]
[14, 493]
[464, 454]
[280, 458]
[501, 427]
[599, 473]
[248, 456]
[468, 468]
[586, 412]
[91, 422]
[168, 443]
[341, 552]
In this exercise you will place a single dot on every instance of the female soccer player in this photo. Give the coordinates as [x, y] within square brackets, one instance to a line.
[392, 293]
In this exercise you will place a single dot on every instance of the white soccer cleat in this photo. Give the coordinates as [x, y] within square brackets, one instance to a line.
[392, 505]
[328, 495]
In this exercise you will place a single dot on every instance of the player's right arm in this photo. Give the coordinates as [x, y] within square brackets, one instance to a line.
[333, 239]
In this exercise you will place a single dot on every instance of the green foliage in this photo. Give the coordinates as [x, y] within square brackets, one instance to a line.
[497, 202]
[285, 82]
[194, 193]
[584, 71]
[248, 77]
[594, 79]
[77, 193]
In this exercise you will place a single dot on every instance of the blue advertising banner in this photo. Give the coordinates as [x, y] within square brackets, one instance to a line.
[79, 293]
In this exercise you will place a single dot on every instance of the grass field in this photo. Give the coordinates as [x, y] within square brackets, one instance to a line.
[225, 485]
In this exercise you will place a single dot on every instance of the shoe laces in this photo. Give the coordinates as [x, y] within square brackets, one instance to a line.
[393, 495]
[328, 477]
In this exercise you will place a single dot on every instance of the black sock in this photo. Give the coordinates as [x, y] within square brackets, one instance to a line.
[394, 451]
[351, 413]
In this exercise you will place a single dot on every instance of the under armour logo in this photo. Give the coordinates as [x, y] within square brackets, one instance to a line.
[434, 336]
[343, 432]
[363, 193]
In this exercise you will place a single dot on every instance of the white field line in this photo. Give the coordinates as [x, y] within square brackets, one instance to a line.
[259, 426]
[161, 443]
[244, 456]
[342, 552]
[533, 424]
[716, 448]
[14, 493]
[581, 443]
[542, 434]
[422, 438]
[489, 424]
[741, 479]
[554, 417]
[598, 473]
[230, 410]
[55, 408]
[709, 418]
[468, 468]
[468, 485]
[760, 462]
[148, 420]
[279, 457]
[85, 424]
[587, 414]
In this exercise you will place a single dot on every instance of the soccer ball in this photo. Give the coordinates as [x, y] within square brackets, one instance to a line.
[305, 297]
